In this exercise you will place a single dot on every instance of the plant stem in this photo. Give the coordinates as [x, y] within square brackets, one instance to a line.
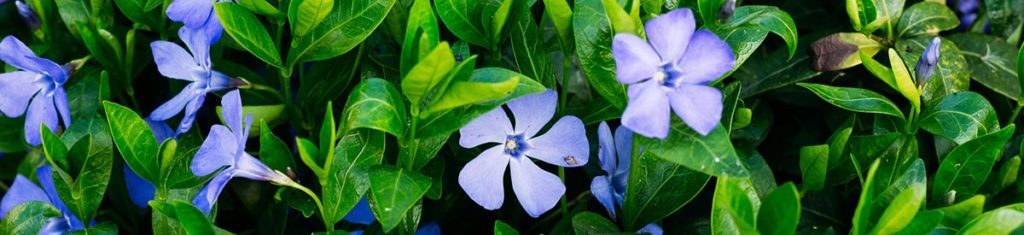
[1016, 111]
[565, 205]
[564, 94]
[319, 205]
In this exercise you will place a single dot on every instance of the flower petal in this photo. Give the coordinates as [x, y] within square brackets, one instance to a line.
[193, 13]
[139, 190]
[361, 214]
[565, 144]
[160, 130]
[208, 195]
[213, 28]
[247, 166]
[707, 59]
[602, 189]
[537, 190]
[220, 82]
[534, 111]
[699, 106]
[429, 229]
[190, 113]
[492, 127]
[45, 176]
[23, 190]
[175, 105]
[670, 33]
[624, 146]
[652, 229]
[60, 100]
[17, 89]
[173, 61]
[198, 42]
[483, 178]
[232, 112]
[40, 111]
[635, 60]
[647, 112]
[15, 53]
[606, 151]
[218, 150]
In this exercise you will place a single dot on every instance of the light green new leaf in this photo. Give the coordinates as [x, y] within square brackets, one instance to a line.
[814, 161]
[734, 207]
[862, 13]
[951, 74]
[999, 221]
[375, 104]
[347, 25]
[304, 15]
[888, 12]
[421, 80]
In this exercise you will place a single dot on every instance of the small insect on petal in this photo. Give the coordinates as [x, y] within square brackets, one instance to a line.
[571, 160]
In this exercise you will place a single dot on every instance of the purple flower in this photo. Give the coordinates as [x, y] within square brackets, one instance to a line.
[198, 15]
[27, 14]
[671, 72]
[564, 144]
[37, 89]
[174, 62]
[929, 59]
[226, 147]
[968, 10]
[23, 190]
[615, 154]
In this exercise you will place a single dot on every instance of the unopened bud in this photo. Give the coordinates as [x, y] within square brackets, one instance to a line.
[929, 60]
[28, 14]
[728, 8]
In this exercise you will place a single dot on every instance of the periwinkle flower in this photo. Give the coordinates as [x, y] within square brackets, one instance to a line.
[615, 154]
[23, 190]
[197, 15]
[226, 147]
[671, 72]
[929, 59]
[29, 15]
[564, 144]
[37, 89]
[174, 62]
[968, 10]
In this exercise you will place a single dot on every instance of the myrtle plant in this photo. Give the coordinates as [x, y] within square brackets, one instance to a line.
[511, 117]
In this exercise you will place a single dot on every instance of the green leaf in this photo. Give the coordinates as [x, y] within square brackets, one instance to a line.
[460, 16]
[814, 161]
[965, 168]
[375, 104]
[346, 26]
[768, 18]
[421, 80]
[960, 117]
[270, 113]
[328, 136]
[855, 99]
[951, 74]
[136, 11]
[999, 221]
[889, 12]
[393, 192]
[12, 135]
[449, 121]
[862, 13]
[744, 40]
[461, 93]
[249, 32]
[529, 49]
[498, 20]
[28, 218]
[657, 188]
[902, 210]
[735, 207]
[418, 152]
[926, 19]
[877, 210]
[1005, 16]
[561, 17]
[712, 154]
[82, 191]
[592, 223]
[261, 7]
[904, 82]
[135, 141]
[501, 228]
[594, 36]
[273, 151]
[309, 154]
[708, 12]
[991, 62]
[304, 15]
[348, 177]
[191, 219]
[780, 211]
[421, 35]
[957, 215]
[924, 222]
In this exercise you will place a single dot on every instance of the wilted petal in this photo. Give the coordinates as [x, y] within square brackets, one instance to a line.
[139, 190]
[60, 100]
[707, 59]
[483, 178]
[193, 13]
[565, 144]
[534, 111]
[23, 190]
[16, 89]
[40, 111]
[647, 112]
[361, 214]
[635, 60]
[173, 61]
[208, 195]
[218, 150]
[606, 151]
[670, 33]
[15, 53]
[492, 127]
[190, 112]
[699, 106]
[602, 189]
[198, 42]
[537, 190]
[175, 105]
[652, 229]
[429, 229]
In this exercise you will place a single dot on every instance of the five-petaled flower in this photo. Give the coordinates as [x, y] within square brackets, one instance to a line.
[174, 62]
[226, 147]
[37, 89]
[23, 190]
[564, 144]
[926, 65]
[615, 154]
[198, 15]
[672, 72]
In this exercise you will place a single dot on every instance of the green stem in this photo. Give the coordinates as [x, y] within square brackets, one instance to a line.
[319, 205]
[563, 200]
[1016, 111]
[557, 213]
[564, 92]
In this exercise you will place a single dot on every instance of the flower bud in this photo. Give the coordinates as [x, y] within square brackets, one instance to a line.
[28, 14]
[926, 65]
[728, 8]
[840, 51]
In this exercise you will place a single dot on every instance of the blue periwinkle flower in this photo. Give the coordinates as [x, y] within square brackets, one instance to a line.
[23, 190]
[198, 15]
[615, 154]
[671, 72]
[225, 146]
[968, 10]
[26, 12]
[174, 62]
[929, 59]
[564, 144]
[37, 89]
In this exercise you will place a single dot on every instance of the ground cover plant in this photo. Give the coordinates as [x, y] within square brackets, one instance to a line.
[511, 116]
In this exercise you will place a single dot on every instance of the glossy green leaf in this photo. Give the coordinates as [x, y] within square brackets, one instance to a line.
[418, 152]
[273, 151]
[83, 189]
[1006, 16]
[888, 13]
[345, 27]
[926, 19]
[780, 211]
[561, 17]
[957, 215]
[877, 211]
[304, 15]
[768, 18]
[135, 141]
[393, 191]
[261, 7]
[249, 32]
[991, 62]
[658, 188]
[774, 70]
[449, 121]
[594, 36]
[960, 117]
[375, 104]
[529, 49]
[735, 207]
[501, 228]
[460, 16]
[998, 221]
[862, 13]
[814, 161]
[28, 218]
[348, 177]
[592, 223]
[421, 35]
[902, 210]
[854, 99]
[904, 82]
[712, 154]
[421, 80]
[965, 168]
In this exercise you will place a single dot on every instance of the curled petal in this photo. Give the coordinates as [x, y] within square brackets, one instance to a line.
[635, 60]
[565, 144]
[492, 127]
[60, 100]
[218, 150]
[190, 112]
[700, 107]
[537, 190]
[624, 146]
[707, 59]
[606, 151]
[534, 111]
[602, 189]
[483, 178]
[17, 89]
[670, 33]
[41, 111]
[23, 190]
[208, 195]
[15, 53]
[647, 112]
[194, 13]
